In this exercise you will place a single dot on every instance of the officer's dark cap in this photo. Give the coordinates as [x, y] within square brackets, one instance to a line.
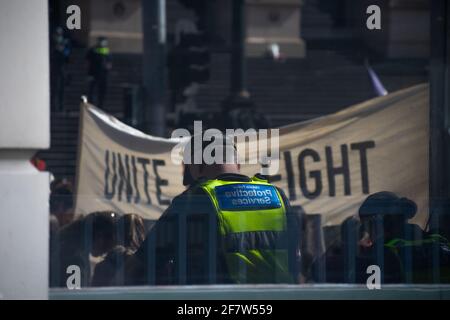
[387, 203]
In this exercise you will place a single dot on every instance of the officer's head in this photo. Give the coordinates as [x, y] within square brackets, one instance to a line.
[208, 159]
[102, 41]
[59, 31]
[58, 36]
[388, 209]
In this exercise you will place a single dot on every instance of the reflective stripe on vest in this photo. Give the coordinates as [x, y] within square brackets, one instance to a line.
[397, 243]
[421, 275]
[102, 51]
[252, 224]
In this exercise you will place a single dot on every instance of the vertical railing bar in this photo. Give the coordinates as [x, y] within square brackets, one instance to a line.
[212, 248]
[55, 260]
[182, 247]
[151, 253]
[351, 242]
[290, 244]
[407, 254]
[120, 275]
[88, 235]
[291, 241]
[278, 246]
[242, 265]
[379, 223]
[300, 219]
[436, 272]
[321, 265]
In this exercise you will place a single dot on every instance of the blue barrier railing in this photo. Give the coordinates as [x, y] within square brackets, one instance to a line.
[261, 292]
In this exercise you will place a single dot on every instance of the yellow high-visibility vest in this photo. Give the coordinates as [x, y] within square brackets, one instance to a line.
[252, 225]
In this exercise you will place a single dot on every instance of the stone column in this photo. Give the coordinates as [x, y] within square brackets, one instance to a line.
[24, 129]
[274, 22]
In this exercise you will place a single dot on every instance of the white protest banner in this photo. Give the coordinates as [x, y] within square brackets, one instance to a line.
[328, 165]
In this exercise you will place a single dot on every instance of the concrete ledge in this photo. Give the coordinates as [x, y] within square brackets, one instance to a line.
[259, 292]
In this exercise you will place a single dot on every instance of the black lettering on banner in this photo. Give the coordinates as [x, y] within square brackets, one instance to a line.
[344, 169]
[290, 175]
[128, 179]
[362, 147]
[137, 197]
[144, 163]
[110, 194]
[124, 179]
[160, 182]
[315, 174]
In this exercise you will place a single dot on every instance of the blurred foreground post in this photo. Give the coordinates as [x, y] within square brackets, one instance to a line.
[239, 97]
[154, 64]
[439, 154]
[439, 112]
[24, 129]
[238, 61]
[439, 104]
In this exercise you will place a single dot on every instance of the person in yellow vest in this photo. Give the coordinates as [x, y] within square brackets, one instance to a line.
[408, 250]
[225, 228]
[99, 65]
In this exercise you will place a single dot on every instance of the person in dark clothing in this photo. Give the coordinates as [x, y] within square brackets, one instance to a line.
[342, 260]
[131, 234]
[93, 234]
[100, 63]
[61, 201]
[187, 245]
[385, 216]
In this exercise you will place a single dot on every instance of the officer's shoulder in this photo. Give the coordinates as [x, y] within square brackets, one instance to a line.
[194, 191]
[260, 176]
[266, 178]
[263, 178]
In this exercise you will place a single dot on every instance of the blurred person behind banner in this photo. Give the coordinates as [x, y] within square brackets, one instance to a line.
[61, 201]
[407, 248]
[336, 258]
[82, 240]
[254, 237]
[130, 235]
[99, 64]
[240, 112]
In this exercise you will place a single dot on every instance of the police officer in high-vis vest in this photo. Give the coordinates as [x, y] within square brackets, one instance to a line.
[408, 250]
[100, 63]
[224, 228]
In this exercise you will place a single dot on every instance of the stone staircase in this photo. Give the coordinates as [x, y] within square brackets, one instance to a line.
[300, 89]
[61, 157]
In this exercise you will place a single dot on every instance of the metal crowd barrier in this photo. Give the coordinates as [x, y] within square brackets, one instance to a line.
[259, 292]
[350, 238]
